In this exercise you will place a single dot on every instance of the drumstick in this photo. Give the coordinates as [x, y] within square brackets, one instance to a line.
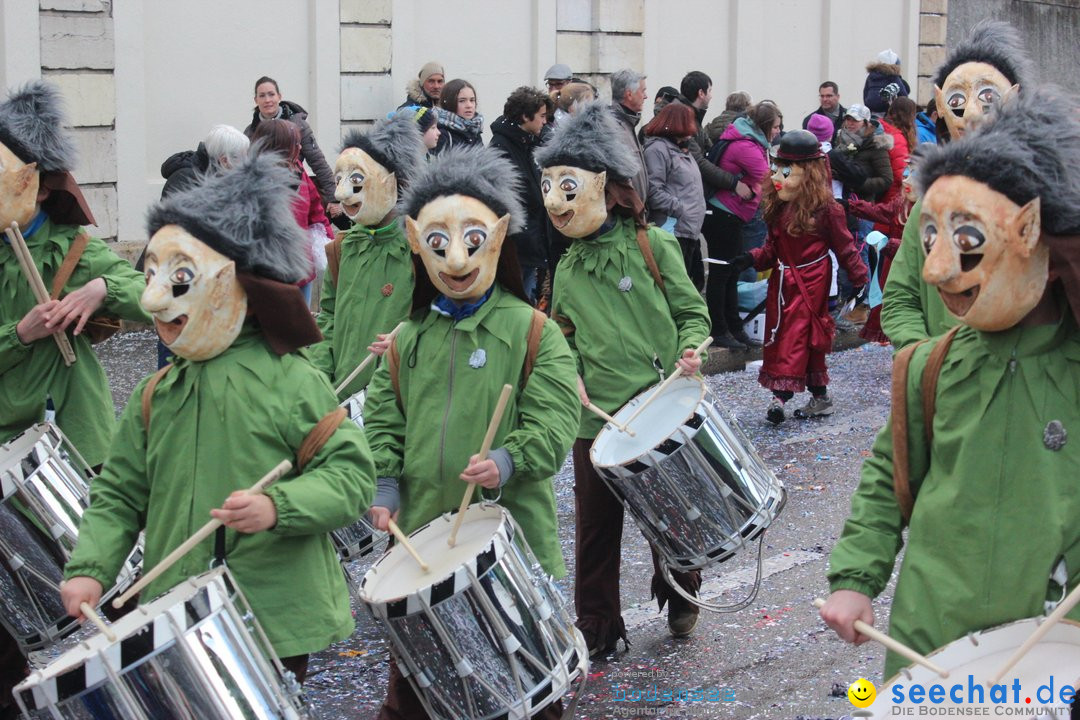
[91, 615]
[401, 538]
[364, 363]
[493, 426]
[37, 285]
[614, 423]
[895, 645]
[664, 385]
[1068, 603]
[201, 534]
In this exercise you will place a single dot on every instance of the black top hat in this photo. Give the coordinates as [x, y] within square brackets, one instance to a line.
[797, 146]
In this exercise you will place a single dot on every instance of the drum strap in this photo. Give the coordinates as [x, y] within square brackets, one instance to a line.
[148, 394]
[318, 436]
[99, 327]
[532, 347]
[901, 457]
[650, 259]
[333, 256]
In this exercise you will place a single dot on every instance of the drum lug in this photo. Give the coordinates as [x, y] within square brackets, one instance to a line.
[463, 668]
[693, 514]
[511, 644]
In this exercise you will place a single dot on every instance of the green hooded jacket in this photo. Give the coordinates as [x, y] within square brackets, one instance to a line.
[31, 373]
[216, 427]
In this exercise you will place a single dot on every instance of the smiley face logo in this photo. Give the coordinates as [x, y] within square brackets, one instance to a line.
[862, 693]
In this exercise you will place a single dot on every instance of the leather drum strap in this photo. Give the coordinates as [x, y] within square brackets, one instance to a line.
[67, 267]
[148, 394]
[930, 376]
[318, 436]
[650, 260]
[901, 459]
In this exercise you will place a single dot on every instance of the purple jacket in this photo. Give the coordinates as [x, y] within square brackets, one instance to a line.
[746, 157]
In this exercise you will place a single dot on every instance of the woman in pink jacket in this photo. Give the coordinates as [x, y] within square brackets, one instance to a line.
[745, 155]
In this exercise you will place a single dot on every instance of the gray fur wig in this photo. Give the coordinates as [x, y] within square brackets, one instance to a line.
[590, 139]
[395, 143]
[483, 173]
[245, 214]
[1028, 148]
[996, 43]
[32, 126]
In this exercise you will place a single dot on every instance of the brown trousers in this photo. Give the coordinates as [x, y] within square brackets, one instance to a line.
[402, 702]
[598, 554]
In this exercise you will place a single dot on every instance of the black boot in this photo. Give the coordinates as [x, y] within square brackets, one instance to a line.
[727, 340]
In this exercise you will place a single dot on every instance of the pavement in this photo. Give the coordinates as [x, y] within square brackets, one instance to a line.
[775, 659]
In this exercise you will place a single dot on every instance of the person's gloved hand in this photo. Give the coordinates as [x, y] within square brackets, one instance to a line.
[742, 261]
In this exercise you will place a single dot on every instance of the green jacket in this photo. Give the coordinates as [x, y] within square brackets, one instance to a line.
[911, 310]
[451, 374]
[31, 373]
[995, 509]
[373, 294]
[216, 427]
[623, 338]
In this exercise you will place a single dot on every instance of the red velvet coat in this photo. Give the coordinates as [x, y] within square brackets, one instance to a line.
[789, 361]
[889, 218]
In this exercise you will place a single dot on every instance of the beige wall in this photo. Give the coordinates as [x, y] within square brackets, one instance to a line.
[146, 78]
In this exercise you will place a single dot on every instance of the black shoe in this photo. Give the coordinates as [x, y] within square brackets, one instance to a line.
[775, 413]
[741, 336]
[726, 340]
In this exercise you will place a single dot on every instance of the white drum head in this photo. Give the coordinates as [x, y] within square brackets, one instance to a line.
[397, 574]
[1057, 655]
[660, 419]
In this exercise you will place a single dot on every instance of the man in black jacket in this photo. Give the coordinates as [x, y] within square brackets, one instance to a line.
[830, 107]
[696, 91]
[517, 133]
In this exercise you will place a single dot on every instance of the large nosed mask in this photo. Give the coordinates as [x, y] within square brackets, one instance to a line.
[366, 190]
[192, 292]
[459, 239]
[19, 184]
[968, 93]
[574, 199]
[982, 252]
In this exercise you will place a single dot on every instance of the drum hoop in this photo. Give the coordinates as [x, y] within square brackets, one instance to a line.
[682, 424]
[446, 586]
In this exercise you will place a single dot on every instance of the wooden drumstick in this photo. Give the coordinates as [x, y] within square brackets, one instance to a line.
[404, 540]
[664, 385]
[201, 534]
[92, 615]
[895, 645]
[37, 285]
[365, 362]
[493, 426]
[1068, 603]
[614, 423]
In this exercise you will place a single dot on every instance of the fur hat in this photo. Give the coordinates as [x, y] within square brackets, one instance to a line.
[590, 139]
[394, 143]
[483, 173]
[32, 126]
[995, 43]
[244, 213]
[1029, 147]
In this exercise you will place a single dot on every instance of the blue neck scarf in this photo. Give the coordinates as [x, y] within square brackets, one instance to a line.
[35, 224]
[451, 309]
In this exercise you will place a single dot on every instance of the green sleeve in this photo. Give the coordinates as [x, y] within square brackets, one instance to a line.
[124, 283]
[118, 499]
[12, 351]
[902, 316]
[548, 409]
[384, 425]
[336, 485]
[566, 327]
[863, 557]
[321, 354]
[688, 310]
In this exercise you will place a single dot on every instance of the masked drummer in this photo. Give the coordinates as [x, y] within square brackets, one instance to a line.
[988, 487]
[236, 402]
[368, 286]
[38, 192]
[628, 326]
[472, 330]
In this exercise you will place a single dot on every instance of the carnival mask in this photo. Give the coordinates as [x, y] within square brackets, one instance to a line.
[458, 238]
[982, 252]
[366, 190]
[967, 94]
[18, 189]
[907, 184]
[192, 291]
[787, 178]
[574, 199]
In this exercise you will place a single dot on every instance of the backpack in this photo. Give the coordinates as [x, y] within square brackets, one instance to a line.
[717, 151]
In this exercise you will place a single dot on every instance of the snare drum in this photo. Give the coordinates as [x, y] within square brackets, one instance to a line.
[980, 655]
[44, 489]
[355, 407]
[195, 653]
[358, 540]
[483, 634]
[692, 481]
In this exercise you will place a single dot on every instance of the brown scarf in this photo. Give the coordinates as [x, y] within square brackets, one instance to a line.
[65, 204]
[1065, 263]
[624, 200]
[282, 314]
